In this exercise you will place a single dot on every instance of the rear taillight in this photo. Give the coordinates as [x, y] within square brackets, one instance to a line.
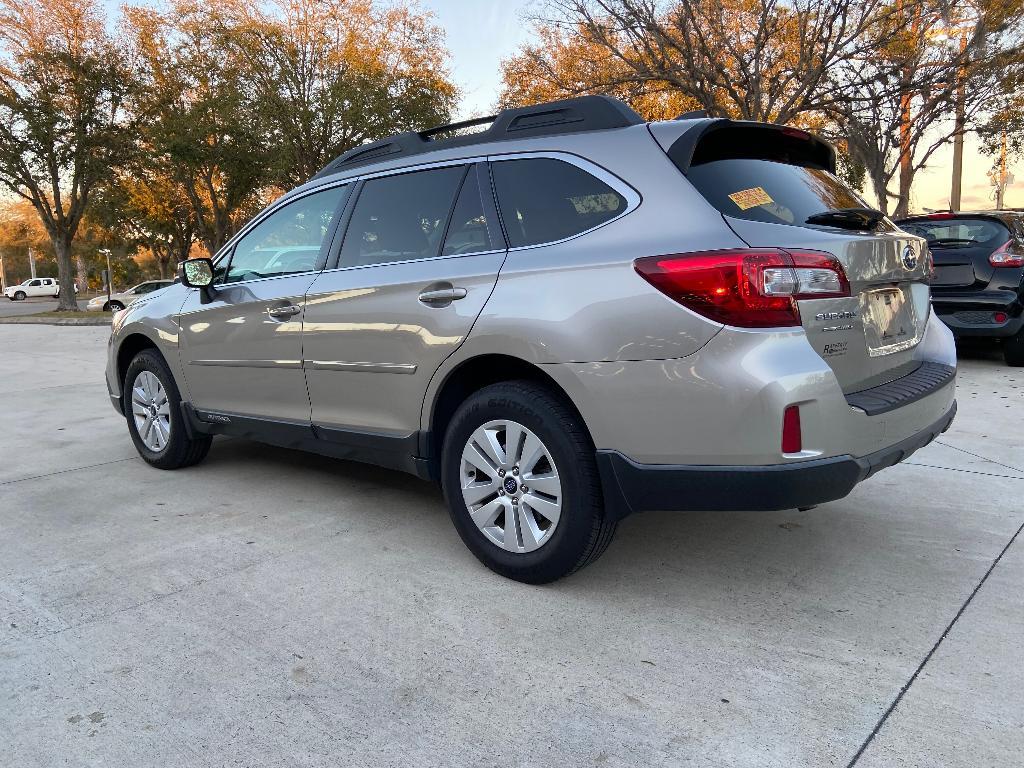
[1009, 254]
[749, 288]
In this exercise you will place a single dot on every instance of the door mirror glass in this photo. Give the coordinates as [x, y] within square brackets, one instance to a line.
[197, 273]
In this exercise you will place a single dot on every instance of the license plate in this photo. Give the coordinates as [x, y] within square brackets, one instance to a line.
[890, 322]
[954, 274]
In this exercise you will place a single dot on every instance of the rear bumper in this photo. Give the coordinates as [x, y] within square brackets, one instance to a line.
[631, 487]
[966, 315]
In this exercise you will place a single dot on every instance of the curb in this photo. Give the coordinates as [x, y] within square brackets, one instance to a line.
[36, 320]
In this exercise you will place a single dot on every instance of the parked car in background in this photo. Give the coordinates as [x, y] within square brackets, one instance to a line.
[568, 317]
[978, 286]
[34, 286]
[120, 300]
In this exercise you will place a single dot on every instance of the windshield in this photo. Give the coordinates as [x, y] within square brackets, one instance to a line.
[773, 192]
[958, 233]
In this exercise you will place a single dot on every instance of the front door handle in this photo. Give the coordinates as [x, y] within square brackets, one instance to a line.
[442, 297]
[283, 313]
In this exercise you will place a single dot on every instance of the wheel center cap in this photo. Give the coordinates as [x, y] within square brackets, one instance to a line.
[511, 486]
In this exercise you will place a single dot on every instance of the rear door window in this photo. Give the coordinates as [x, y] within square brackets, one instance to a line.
[543, 200]
[401, 217]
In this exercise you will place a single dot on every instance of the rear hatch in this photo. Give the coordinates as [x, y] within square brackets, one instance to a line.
[961, 246]
[776, 188]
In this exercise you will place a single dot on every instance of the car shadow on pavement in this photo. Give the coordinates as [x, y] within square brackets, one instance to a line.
[758, 553]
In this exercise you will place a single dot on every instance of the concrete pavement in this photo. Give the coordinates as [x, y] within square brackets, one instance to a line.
[273, 608]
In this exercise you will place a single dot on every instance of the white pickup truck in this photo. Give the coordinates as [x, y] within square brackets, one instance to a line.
[34, 286]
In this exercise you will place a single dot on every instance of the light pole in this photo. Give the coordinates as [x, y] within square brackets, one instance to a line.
[958, 137]
[110, 274]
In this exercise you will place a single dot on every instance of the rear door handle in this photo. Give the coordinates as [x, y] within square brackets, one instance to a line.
[442, 297]
[283, 313]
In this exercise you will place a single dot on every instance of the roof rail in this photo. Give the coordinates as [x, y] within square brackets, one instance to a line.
[583, 113]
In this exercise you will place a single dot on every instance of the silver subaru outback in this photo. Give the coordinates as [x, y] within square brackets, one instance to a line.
[564, 318]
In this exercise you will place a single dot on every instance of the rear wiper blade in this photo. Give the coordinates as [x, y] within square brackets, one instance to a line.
[848, 218]
[941, 242]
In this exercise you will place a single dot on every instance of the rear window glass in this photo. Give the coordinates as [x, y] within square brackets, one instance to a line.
[954, 233]
[773, 192]
[543, 200]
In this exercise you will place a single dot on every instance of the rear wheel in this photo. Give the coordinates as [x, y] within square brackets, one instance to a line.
[152, 407]
[1013, 350]
[521, 482]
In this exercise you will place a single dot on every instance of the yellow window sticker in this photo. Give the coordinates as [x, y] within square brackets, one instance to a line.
[751, 198]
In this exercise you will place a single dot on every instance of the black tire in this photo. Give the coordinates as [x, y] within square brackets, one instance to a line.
[181, 450]
[113, 306]
[583, 531]
[19, 296]
[1013, 350]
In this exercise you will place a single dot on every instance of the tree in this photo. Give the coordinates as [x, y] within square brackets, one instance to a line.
[198, 117]
[328, 75]
[752, 59]
[244, 98]
[63, 87]
[567, 62]
[20, 230]
[146, 207]
[902, 98]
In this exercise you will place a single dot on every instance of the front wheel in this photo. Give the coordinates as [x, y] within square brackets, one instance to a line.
[152, 407]
[520, 479]
[114, 306]
[1013, 350]
[19, 296]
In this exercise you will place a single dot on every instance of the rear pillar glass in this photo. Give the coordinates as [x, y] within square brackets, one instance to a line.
[543, 200]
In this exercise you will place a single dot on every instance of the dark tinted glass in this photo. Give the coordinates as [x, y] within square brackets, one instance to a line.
[953, 233]
[288, 241]
[467, 232]
[401, 218]
[543, 200]
[763, 190]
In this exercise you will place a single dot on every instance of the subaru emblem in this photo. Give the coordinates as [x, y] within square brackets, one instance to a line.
[909, 257]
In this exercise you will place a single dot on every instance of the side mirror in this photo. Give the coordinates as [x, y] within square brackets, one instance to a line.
[197, 273]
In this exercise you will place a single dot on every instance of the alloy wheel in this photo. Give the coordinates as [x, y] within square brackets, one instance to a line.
[510, 485]
[151, 411]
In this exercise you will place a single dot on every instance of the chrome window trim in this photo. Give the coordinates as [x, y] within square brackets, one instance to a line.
[633, 198]
[410, 261]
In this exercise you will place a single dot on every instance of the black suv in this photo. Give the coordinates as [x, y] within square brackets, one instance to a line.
[977, 288]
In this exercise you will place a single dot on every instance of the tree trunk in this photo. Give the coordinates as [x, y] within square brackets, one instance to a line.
[68, 300]
[83, 276]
